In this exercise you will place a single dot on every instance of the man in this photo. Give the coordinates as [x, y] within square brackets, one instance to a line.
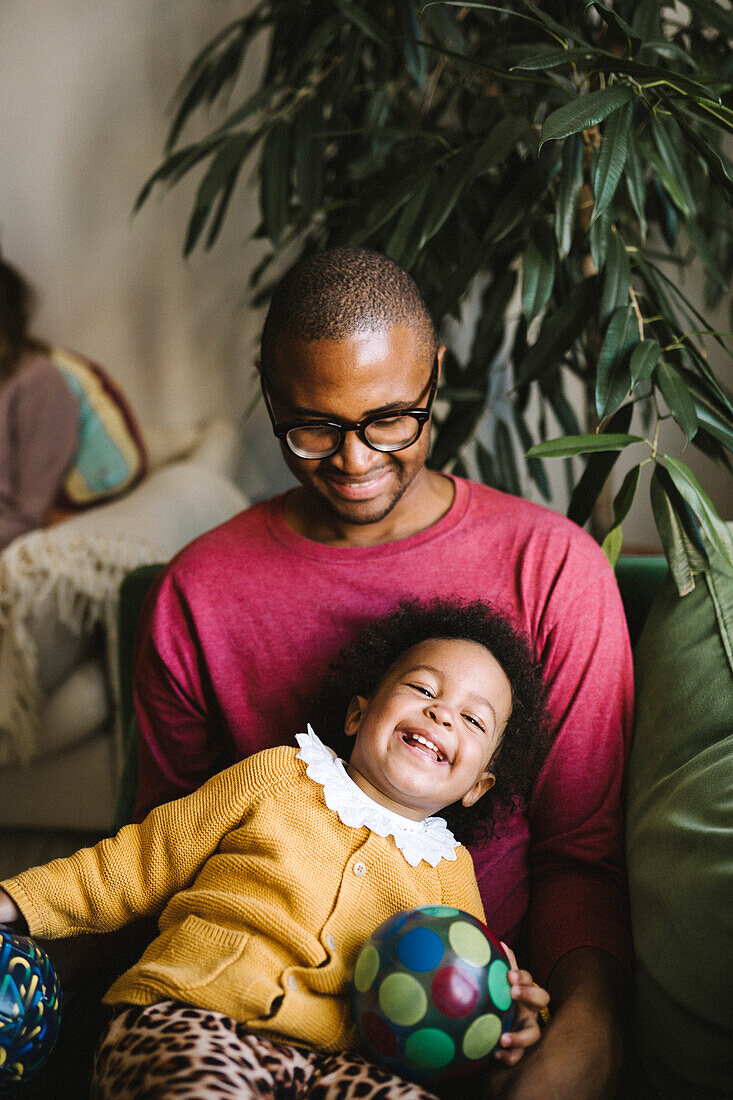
[245, 620]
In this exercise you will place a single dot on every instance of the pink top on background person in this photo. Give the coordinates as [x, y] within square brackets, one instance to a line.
[39, 431]
[240, 628]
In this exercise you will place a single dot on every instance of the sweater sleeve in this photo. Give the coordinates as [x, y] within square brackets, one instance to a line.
[39, 422]
[137, 871]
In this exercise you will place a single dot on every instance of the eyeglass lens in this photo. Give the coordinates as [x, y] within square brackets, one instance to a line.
[389, 433]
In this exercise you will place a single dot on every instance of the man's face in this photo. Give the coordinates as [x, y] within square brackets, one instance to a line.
[349, 379]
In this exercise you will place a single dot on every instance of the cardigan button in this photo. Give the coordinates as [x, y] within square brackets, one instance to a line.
[359, 868]
[330, 941]
[292, 981]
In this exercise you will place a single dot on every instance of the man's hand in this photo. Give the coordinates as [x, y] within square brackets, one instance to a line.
[9, 911]
[581, 1051]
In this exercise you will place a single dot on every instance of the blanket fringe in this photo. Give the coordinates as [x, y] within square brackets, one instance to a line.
[79, 578]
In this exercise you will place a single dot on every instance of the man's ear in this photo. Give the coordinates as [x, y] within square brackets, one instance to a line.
[483, 784]
[354, 715]
[439, 356]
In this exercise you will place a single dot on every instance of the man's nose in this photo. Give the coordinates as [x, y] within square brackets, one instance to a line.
[440, 714]
[353, 456]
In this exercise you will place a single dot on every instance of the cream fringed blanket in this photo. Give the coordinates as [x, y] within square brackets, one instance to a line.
[50, 581]
[60, 584]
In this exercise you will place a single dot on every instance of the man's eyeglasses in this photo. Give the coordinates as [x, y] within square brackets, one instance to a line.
[381, 431]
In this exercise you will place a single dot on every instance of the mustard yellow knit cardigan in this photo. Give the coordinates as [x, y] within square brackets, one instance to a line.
[266, 899]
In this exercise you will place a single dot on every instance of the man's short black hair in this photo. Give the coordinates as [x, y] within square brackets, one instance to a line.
[335, 294]
[362, 665]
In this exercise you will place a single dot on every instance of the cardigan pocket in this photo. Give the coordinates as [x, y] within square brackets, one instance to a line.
[191, 955]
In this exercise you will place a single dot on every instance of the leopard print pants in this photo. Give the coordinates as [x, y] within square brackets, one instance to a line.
[172, 1050]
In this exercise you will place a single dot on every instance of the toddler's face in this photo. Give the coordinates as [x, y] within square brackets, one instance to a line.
[426, 737]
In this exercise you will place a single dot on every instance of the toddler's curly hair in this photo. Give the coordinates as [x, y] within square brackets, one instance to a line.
[363, 663]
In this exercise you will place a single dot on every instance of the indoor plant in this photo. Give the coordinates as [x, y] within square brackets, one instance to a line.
[574, 151]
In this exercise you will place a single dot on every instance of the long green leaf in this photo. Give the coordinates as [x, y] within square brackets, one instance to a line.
[598, 238]
[678, 398]
[666, 145]
[404, 242]
[217, 184]
[568, 190]
[552, 57]
[715, 14]
[634, 179]
[415, 55]
[722, 115]
[538, 271]
[616, 278]
[535, 467]
[612, 544]
[543, 22]
[504, 451]
[309, 154]
[718, 164]
[363, 20]
[613, 379]
[612, 19]
[445, 27]
[583, 444]
[559, 332]
[584, 112]
[598, 467]
[677, 530]
[700, 503]
[625, 496]
[275, 181]
[611, 157]
[644, 359]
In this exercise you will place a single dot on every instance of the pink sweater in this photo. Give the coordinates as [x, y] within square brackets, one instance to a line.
[248, 616]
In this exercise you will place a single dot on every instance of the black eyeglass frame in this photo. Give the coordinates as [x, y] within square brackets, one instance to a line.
[422, 415]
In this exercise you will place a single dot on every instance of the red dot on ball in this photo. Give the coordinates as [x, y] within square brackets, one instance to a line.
[455, 992]
[379, 1034]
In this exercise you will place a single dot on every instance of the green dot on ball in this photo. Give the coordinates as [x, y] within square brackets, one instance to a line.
[499, 988]
[439, 911]
[430, 1048]
[481, 1036]
[402, 999]
[469, 943]
[366, 968]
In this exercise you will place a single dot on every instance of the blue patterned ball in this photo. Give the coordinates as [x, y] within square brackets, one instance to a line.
[30, 1006]
[430, 995]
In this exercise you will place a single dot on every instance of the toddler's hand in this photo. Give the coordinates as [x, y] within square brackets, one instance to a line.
[529, 999]
[9, 911]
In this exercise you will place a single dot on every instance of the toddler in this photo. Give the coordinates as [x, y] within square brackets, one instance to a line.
[268, 879]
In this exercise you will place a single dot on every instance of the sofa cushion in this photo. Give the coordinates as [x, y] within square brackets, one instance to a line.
[680, 838]
[110, 457]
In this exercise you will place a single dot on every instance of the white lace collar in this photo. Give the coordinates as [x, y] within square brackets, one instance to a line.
[430, 839]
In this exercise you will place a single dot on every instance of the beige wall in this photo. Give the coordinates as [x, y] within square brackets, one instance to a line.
[83, 90]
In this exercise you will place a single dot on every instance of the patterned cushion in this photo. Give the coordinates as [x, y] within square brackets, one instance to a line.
[110, 457]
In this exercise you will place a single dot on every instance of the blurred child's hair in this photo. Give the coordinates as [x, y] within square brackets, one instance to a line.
[363, 663]
[16, 303]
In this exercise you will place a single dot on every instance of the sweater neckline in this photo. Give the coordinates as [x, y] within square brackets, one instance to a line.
[306, 547]
[430, 839]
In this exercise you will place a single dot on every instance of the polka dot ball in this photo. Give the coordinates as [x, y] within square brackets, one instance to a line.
[430, 995]
[30, 1007]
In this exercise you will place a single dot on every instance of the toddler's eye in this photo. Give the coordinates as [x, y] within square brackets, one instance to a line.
[422, 689]
[474, 721]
